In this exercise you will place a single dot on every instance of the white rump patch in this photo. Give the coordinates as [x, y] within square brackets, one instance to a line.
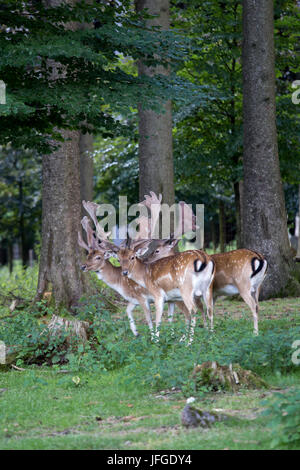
[201, 281]
[256, 264]
[259, 277]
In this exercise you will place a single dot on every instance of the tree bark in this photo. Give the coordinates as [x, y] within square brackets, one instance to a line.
[61, 207]
[237, 201]
[298, 249]
[213, 234]
[264, 216]
[222, 226]
[60, 259]
[10, 257]
[155, 130]
[86, 167]
[21, 225]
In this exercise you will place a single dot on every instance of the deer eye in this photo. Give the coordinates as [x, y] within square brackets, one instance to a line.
[156, 251]
[132, 257]
[98, 257]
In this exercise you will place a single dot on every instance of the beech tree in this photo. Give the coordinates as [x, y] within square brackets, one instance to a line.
[86, 166]
[63, 79]
[60, 258]
[156, 169]
[264, 224]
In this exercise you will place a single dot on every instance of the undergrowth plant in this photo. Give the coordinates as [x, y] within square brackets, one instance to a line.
[169, 363]
[283, 413]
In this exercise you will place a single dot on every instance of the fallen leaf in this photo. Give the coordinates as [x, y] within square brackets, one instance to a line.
[76, 380]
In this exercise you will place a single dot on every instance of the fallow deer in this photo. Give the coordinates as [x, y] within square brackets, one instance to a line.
[180, 277]
[143, 238]
[237, 272]
[99, 252]
[97, 261]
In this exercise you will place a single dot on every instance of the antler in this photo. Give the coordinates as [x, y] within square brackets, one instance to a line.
[91, 208]
[187, 220]
[81, 242]
[100, 241]
[89, 232]
[147, 225]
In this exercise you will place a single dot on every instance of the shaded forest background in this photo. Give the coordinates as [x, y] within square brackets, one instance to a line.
[115, 98]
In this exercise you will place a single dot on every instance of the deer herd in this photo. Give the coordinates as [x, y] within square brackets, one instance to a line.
[152, 271]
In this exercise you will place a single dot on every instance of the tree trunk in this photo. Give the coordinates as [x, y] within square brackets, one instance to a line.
[10, 257]
[86, 168]
[264, 216]
[213, 234]
[155, 130]
[237, 201]
[60, 254]
[21, 225]
[60, 258]
[222, 226]
[298, 250]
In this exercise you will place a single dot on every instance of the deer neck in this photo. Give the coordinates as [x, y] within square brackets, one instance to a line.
[110, 274]
[139, 273]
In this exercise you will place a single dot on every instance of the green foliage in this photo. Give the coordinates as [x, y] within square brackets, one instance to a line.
[61, 66]
[20, 196]
[164, 365]
[207, 130]
[109, 156]
[22, 282]
[268, 351]
[283, 412]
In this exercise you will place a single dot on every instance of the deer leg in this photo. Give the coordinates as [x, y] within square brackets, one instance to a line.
[250, 298]
[147, 311]
[209, 302]
[129, 310]
[171, 307]
[159, 306]
[185, 311]
[192, 311]
[199, 305]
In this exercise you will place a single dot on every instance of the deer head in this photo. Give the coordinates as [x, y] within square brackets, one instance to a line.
[95, 261]
[130, 252]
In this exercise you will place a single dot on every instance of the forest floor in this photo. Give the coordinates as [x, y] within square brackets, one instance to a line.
[43, 408]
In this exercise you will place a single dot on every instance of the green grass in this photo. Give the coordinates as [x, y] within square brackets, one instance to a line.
[43, 409]
[127, 406]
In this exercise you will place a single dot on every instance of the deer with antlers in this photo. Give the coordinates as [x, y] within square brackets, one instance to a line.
[98, 261]
[177, 278]
[237, 272]
[180, 277]
[98, 256]
[99, 251]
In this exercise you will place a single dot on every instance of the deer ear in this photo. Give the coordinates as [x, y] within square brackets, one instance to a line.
[141, 251]
[172, 242]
